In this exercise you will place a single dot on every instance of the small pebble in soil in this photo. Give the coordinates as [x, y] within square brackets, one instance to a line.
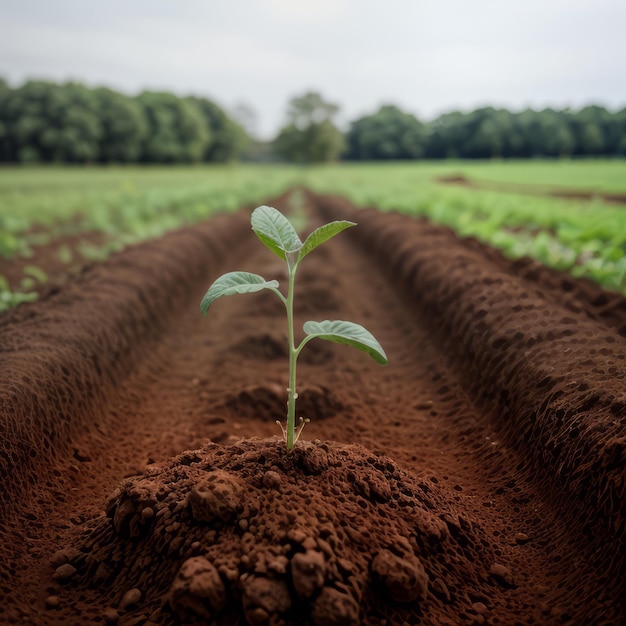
[502, 574]
[480, 608]
[147, 513]
[271, 479]
[308, 571]
[66, 555]
[52, 602]
[264, 597]
[110, 615]
[64, 572]
[197, 591]
[403, 579]
[334, 607]
[216, 496]
[130, 599]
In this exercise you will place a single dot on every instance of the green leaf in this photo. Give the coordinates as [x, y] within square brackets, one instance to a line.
[32, 271]
[235, 283]
[275, 231]
[322, 234]
[348, 333]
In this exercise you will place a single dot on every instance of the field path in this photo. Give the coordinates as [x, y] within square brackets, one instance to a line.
[499, 424]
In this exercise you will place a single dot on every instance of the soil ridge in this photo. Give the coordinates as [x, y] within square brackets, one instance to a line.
[53, 386]
[528, 358]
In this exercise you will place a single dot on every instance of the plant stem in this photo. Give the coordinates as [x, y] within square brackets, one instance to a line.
[293, 355]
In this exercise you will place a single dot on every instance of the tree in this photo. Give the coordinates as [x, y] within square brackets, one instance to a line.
[53, 123]
[494, 133]
[452, 131]
[5, 146]
[292, 144]
[177, 130]
[620, 132]
[485, 141]
[309, 109]
[388, 134]
[596, 131]
[228, 139]
[310, 135]
[325, 143]
[124, 126]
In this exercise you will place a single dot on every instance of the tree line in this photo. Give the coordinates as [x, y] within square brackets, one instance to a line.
[486, 133]
[489, 133]
[43, 121]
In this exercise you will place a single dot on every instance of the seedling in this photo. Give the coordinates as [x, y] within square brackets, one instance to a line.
[277, 233]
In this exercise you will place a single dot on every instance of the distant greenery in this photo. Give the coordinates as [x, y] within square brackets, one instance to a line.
[488, 133]
[389, 134]
[46, 122]
[310, 135]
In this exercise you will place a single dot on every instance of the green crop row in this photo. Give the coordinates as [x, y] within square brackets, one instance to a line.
[587, 238]
[129, 204]
[123, 205]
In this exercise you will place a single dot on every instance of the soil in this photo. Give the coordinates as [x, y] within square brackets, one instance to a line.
[534, 190]
[479, 478]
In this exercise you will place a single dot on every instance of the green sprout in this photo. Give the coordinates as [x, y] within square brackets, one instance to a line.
[277, 233]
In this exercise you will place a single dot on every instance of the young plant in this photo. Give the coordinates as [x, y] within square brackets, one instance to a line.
[276, 232]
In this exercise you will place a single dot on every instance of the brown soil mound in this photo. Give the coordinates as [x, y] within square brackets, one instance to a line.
[478, 479]
[250, 533]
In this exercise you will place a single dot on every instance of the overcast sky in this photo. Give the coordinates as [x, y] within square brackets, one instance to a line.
[427, 57]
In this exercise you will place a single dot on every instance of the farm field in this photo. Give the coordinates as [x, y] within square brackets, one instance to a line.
[55, 219]
[478, 478]
[584, 235]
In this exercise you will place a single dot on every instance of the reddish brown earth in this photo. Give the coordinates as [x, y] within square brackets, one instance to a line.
[534, 190]
[479, 478]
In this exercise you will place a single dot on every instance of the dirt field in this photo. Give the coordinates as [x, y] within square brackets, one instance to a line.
[479, 478]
